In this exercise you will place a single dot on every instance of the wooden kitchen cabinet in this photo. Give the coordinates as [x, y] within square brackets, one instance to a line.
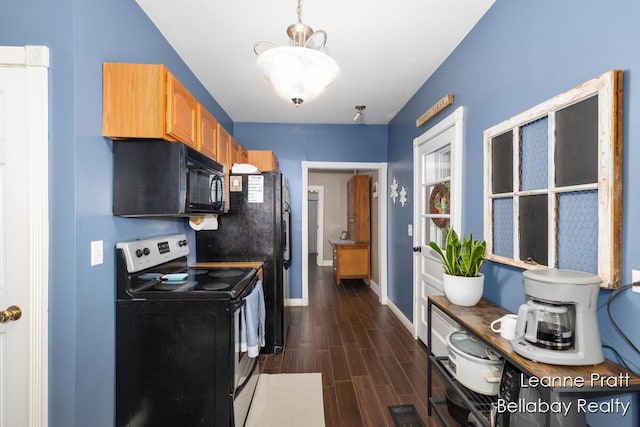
[146, 101]
[351, 261]
[358, 208]
[223, 147]
[207, 133]
[264, 160]
[237, 153]
[181, 112]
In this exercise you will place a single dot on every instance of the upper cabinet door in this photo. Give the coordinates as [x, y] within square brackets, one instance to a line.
[181, 112]
[207, 133]
[264, 160]
[134, 101]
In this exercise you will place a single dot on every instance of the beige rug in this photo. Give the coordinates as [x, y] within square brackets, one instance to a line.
[287, 400]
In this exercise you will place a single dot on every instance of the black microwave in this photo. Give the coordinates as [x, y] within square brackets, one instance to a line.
[163, 178]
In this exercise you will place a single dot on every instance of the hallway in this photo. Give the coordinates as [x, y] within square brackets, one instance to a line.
[367, 358]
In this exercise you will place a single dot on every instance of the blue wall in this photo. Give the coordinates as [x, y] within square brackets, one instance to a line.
[81, 35]
[520, 54]
[293, 144]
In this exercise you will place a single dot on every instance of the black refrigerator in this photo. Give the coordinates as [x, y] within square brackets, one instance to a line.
[257, 228]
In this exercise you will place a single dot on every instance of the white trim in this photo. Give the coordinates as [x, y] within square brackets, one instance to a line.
[30, 56]
[295, 302]
[320, 230]
[376, 289]
[457, 158]
[382, 219]
[36, 61]
[402, 318]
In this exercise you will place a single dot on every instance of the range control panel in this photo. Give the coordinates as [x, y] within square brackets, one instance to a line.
[147, 253]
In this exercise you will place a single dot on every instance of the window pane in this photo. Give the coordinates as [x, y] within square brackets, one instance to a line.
[439, 199]
[578, 231]
[432, 232]
[534, 155]
[503, 227]
[438, 165]
[534, 228]
[502, 163]
[577, 143]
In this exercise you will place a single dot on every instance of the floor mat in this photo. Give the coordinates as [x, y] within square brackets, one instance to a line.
[292, 400]
[405, 416]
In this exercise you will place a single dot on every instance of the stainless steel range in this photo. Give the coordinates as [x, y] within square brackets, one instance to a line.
[178, 358]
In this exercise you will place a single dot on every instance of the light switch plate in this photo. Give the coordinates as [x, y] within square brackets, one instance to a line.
[410, 230]
[97, 253]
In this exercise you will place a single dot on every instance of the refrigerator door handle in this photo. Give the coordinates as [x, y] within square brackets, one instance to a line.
[286, 219]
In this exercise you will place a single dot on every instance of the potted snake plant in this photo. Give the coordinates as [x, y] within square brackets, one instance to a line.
[462, 258]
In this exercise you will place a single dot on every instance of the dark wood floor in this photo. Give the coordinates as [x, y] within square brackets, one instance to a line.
[367, 358]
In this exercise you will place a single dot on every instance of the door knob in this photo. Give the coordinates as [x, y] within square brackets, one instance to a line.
[417, 249]
[11, 313]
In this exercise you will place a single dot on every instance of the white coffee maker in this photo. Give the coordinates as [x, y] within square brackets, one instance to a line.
[559, 324]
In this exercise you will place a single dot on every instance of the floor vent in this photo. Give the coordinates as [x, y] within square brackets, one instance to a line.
[405, 416]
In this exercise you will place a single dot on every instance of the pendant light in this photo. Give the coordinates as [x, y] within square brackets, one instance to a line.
[299, 72]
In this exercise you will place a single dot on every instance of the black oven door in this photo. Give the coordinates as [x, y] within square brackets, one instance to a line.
[205, 189]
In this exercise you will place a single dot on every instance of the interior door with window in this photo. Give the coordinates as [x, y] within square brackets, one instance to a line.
[437, 204]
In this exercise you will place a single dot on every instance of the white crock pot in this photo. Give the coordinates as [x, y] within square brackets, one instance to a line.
[473, 363]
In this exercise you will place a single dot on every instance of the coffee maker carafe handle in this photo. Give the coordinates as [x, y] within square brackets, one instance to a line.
[526, 322]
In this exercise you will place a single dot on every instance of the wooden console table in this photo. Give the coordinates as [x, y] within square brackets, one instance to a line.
[477, 320]
[351, 260]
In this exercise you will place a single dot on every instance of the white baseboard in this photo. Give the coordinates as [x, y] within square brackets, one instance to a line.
[296, 302]
[326, 263]
[403, 319]
[374, 287]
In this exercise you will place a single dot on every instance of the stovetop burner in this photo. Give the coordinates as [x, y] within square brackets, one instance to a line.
[176, 286]
[225, 272]
[215, 286]
[196, 271]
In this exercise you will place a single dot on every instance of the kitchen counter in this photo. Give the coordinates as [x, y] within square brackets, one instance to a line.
[477, 320]
[230, 264]
[558, 384]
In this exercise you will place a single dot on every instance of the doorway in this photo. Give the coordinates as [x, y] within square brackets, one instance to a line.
[437, 158]
[379, 256]
[316, 223]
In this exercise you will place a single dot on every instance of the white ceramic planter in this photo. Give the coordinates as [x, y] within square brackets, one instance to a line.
[466, 291]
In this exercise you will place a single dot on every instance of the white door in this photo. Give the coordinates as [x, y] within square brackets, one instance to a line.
[23, 236]
[437, 205]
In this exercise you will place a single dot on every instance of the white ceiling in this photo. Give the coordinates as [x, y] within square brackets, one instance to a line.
[386, 50]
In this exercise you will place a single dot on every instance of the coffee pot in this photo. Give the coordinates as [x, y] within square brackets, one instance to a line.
[558, 324]
[548, 325]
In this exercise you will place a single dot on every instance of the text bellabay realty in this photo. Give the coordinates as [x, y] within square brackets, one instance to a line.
[564, 407]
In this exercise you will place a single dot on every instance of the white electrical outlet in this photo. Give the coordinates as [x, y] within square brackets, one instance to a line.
[635, 277]
[97, 255]
[410, 230]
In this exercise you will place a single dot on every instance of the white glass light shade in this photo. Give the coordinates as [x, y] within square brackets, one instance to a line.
[298, 73]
